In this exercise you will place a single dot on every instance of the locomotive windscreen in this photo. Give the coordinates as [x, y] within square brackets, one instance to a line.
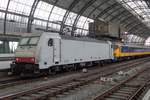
[29, 41]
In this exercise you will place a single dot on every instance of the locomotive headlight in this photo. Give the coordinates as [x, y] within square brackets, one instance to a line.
[33, 59]
[17, 59]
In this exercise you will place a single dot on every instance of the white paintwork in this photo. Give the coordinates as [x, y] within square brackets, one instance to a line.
[66, 51]
[82, 51]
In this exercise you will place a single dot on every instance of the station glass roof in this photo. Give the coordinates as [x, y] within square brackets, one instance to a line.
[139, 8]
[57, 14]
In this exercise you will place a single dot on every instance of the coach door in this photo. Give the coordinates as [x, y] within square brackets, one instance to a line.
[57, 51]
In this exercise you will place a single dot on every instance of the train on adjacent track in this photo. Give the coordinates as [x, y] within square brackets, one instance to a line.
[51, 52]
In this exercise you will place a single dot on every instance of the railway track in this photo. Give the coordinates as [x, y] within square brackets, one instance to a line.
[129, 89]
[51, 90]
[13, 81]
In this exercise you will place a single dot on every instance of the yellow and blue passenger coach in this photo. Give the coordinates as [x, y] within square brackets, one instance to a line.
[125, 51]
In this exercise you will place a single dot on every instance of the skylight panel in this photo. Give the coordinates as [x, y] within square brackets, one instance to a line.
[138, 8]
[3, 4]
[57, 14]
[43, 10]
[20, 6]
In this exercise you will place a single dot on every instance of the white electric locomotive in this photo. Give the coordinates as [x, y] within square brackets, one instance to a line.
[52, 52]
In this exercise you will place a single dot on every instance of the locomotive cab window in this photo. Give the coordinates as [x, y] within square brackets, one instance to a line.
[50, 42]
[29, 41]
[24, 41]
[33, 40]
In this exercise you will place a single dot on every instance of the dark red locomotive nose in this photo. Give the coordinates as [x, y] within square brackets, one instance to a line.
[25, 59]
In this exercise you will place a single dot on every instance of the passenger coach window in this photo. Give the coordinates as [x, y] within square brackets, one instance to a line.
[50, 42]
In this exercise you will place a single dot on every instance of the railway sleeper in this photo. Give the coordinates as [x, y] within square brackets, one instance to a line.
[128, 89]
[117, 97]
[42, 95]
[133, 85]
[111, 99]
[121, 94]
[51, 92]
[124, 92]
[37, 96]
[29, 97]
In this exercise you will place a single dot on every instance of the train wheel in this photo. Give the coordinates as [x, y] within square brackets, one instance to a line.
[75, 67]
[51, 71]
[102, 63]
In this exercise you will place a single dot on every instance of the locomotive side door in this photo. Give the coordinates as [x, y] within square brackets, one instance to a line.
[111, 50]
[57, 51]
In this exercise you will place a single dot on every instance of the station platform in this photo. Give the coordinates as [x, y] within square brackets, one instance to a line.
[5, 60]
[4, 65]
[6, 57]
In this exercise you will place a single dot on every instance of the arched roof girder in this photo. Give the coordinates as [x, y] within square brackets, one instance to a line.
[107, 9]
[122, 20]
[72, 5]
[31, 15]
[134, 27]
[126, 23]
[113, 11]
[88, 4]
[131, 23]
[119, 15]
[131, 9]
[126, 18]
[110, 8]
[141, 30]
[123, 17]
[91, 13]
[55, 3]
[5, 18]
